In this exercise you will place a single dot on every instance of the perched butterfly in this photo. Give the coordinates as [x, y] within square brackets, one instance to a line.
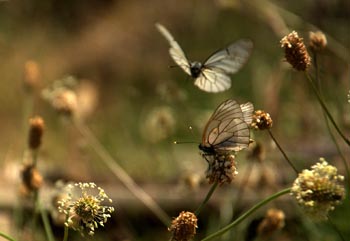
[212, 76]
[227, 129]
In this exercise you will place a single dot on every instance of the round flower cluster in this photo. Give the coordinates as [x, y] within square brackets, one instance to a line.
[318, 190]
[261, 120]
[85, 211]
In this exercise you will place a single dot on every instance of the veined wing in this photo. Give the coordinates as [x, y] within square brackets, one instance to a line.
[175, 50]
[213, 81]
[227, 110]
[232, 58]
[229, 135]
[247, 110]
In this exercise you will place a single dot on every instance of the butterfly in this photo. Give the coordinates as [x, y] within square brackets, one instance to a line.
[213, 74]
[227, 129]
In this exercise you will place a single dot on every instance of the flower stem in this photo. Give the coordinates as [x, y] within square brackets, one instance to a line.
[324, 107]
[6, 236]
[46, 223]
[281, 150]
[205, 201]
[65, 235]
[336, 229]
[246, 214]
[318, 82]
[120, 173]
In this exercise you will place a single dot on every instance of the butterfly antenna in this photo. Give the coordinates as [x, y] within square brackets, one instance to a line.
[184, 142]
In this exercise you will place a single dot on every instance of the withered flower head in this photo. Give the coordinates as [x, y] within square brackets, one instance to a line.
[85, 211]
[31, 178]
[318, 190]
[261, 120]
[273, 221]
[31, 75]
[257, 152]
[184, 226]
[62, 97]
[222, 168]
[158, 125]
[65, 101]
[36, 130]
[295, 51]
[318, 41]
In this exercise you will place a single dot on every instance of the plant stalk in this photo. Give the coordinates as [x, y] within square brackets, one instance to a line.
[246, 214]
[283, 153]
[120, 173]
[205, 201]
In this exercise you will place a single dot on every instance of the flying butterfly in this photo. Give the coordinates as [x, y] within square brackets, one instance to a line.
[213, 74]
[227, 129]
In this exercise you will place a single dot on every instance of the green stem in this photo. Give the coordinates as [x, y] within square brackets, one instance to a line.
[65, 236]
[35, 157]
[283, 153]
[246, 214]
[120, 173]
[46, 223]
[336, 229]
[326, 119]
[338, 148]
[35, 212]
[7, 237]
[211, 191]
[324, 107]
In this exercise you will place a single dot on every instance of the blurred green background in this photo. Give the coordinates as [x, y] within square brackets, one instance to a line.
[137, 106]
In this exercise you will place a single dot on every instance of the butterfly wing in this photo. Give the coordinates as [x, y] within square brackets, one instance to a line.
[232, 58]
[226, 129]
[247, 110]
[175, 50]
[230, 135]
[214, 76]
[213, 81]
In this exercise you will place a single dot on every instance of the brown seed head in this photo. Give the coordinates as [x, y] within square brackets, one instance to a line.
[31, 75]
[31, 178]
[222, 168]
[261, 120]
[318, 41]
[36, 130]
[273, 221]
[184, 226]
[295, 51]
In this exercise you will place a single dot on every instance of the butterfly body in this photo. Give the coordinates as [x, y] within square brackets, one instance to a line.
[213, 74]
[196, 69]
[207, 149]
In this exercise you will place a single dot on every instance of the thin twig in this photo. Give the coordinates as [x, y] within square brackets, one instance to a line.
[318, 81]
[324, 107]
[211, 191]
[120, 173]
[283, 153]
